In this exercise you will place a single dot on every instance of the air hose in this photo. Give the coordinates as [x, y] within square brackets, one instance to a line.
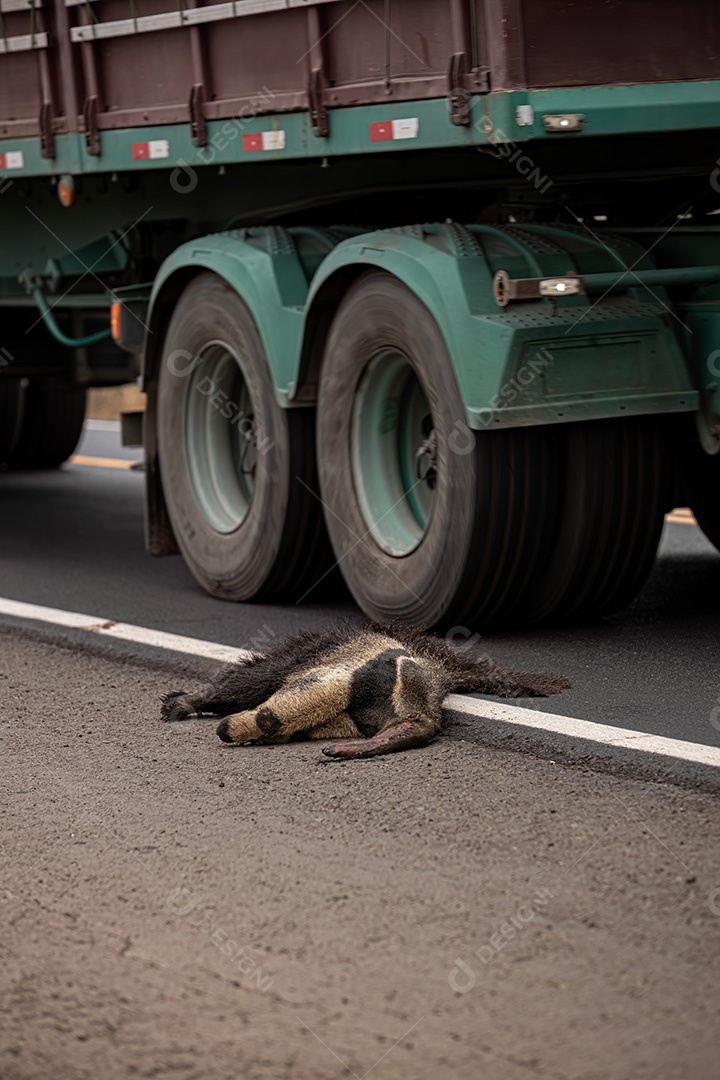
[49, 320]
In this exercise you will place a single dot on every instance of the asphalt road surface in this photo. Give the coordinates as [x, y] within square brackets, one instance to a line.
[74, 540]
[172, 907]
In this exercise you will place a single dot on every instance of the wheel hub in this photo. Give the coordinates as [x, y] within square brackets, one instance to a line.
[426, 456]
[394, 453]
[220, 438]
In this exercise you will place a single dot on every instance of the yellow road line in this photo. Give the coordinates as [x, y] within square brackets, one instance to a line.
[101, 462]
[681, 516]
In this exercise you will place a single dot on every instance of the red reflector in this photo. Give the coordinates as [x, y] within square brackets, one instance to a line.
[252, 142]
[379, 132]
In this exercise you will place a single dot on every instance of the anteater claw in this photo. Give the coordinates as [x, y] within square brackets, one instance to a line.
[175, 707]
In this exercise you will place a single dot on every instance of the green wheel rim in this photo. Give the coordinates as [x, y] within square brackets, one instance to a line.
[220, 441]
[393, 456]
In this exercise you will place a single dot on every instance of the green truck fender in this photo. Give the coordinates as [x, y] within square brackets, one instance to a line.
[264, 268]
[442, 282]
[530, 363]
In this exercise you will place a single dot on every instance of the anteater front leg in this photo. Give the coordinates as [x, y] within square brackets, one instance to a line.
[312, 700]
[234, 687]
[180, 705]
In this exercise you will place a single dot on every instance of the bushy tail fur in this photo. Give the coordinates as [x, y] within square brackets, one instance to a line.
[471, 673]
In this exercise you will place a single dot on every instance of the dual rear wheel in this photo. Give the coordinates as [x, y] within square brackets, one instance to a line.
[439, 525]
[429, 521]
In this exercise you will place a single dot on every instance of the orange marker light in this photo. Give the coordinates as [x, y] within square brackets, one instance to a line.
[66, 190]
[115, 327]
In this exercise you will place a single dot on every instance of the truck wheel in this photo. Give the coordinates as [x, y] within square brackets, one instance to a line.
[236, 468]
[615, 494]
[430, 522]
[700, 477]
[52, 424]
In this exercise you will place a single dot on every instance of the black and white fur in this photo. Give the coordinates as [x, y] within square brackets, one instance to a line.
[381, 688]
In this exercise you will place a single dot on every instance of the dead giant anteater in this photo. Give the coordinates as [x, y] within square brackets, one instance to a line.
[382, 687]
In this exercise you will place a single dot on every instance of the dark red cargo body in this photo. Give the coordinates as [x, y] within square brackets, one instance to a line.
[286, 55]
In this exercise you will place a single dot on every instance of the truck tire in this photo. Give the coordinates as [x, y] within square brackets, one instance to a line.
[52, 424]
[700, 478]
[615, 493]
[430, 522]
[238, 471]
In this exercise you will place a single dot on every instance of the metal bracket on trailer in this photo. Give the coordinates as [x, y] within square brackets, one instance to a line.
[318, 110]
[198, 126]
[47, 135]
[506, 288]
[92, 133]
[458, 95]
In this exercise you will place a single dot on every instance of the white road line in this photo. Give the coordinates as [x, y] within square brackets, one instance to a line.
[587, 730]
[102, 425]
[141, 635]
[569, 726]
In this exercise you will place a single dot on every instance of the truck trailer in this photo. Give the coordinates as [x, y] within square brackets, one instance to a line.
[422, 292]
